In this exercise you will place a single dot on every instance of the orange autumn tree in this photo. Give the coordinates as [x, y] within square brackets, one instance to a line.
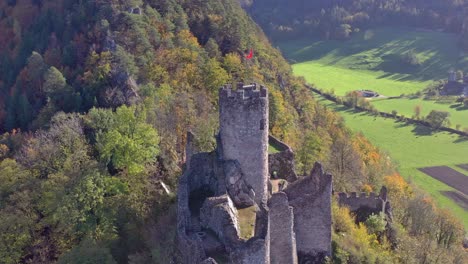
[399, 192]
[374, 162]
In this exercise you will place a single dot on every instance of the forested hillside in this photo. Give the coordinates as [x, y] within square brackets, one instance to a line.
[96, 98]
[339, 19]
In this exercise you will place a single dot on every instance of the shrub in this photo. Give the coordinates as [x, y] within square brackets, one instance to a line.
[376, 223]
[394, 112]
[417, 111]
[438, 119]
[367, 188]
[342, 220]
[410, 58]
[352, 99]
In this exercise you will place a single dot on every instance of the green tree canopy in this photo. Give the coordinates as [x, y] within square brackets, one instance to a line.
[54, 81]
[124, 139]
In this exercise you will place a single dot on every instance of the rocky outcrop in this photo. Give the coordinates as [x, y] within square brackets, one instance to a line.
[219, 215]
[242, 194]
[122, 91]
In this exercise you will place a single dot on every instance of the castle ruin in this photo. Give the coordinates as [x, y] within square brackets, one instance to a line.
[239, 204]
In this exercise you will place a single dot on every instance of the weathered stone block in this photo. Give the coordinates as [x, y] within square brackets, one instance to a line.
[219, 215]
[282, 236]
[253, 252]
[241, 194]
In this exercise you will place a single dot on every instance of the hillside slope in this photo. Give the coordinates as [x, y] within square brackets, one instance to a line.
[96, 98]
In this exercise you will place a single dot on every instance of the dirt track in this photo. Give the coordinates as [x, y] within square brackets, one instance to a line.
[463, 166]
[448, 176]
[457, 197]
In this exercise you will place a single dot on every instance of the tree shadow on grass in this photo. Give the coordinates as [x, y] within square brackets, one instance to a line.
[422, 131]
[459, 107]
[461, 139]
[400, 124]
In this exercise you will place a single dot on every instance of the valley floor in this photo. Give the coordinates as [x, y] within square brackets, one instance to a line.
[412, 147]
[371, 60]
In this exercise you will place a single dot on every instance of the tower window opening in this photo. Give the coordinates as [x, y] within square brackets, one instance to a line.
[262, 124]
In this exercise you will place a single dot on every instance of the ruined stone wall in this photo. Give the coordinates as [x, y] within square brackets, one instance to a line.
[219, 215]
[243, 118]
[257, 249]
[311, 199]
[355, 202]
[189, 244]
[254, 251]
[366, 204]
[189, 149]
[282, 164]
[282, 235]
[202, 172]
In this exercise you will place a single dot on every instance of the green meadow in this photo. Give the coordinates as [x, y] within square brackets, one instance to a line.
[341, 80]
[372, 60]
[406, 106]
[412, 147]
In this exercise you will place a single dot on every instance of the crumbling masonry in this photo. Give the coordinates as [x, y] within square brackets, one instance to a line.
[292, 216]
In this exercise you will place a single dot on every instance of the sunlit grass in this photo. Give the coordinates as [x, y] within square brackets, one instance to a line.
[371, 60]
[412, 147]
[405, 106]
[247, 222]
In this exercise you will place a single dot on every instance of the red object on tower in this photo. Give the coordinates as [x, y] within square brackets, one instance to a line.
[250, 55]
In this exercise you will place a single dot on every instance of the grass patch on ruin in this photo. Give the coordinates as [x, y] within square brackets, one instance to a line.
[372, 60]
[405, 106]
[275, 183]
[272, 149]
[247, 218]
[412, 147]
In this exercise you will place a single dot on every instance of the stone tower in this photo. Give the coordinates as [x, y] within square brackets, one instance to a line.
[243, 120]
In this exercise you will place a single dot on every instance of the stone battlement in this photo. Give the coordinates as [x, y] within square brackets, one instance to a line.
[361, 196]
[366, 203]
[243, 92]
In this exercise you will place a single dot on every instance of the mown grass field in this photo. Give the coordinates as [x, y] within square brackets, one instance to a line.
[412, 147]
[341, 80]
[371, 60]
[406, 106]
